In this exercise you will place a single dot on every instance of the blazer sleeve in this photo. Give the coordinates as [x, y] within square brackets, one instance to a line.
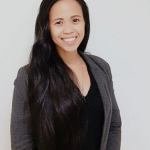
[20, 135]
[114, 137]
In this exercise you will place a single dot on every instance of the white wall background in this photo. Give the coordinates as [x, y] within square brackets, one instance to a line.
[120, 34]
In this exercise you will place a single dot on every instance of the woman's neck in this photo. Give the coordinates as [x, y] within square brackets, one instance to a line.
[71, 59]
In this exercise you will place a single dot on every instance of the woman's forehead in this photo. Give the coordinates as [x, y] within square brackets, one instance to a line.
[65, 8]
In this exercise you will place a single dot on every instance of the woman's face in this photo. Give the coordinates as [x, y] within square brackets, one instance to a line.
[66, 24]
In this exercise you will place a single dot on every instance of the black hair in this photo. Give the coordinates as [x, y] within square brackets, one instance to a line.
[58, 119]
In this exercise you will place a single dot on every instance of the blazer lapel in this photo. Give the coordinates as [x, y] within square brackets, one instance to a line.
[100, 79]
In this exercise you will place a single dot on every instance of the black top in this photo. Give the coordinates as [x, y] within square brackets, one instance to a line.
[95, 116]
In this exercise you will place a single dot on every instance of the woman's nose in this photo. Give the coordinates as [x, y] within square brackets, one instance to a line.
[68, 29]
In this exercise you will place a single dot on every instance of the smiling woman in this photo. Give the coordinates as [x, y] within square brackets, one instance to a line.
[63, 98]
[67, 29]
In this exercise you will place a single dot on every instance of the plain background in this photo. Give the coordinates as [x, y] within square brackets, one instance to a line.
[120, 34]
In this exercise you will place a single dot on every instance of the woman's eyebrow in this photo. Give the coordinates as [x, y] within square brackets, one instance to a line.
[57, 19]
[75, 16]
[62, 18]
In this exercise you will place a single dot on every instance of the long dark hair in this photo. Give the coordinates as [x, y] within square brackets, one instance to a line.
[56, 105]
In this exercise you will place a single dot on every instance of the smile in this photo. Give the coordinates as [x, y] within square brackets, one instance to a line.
[70, 40]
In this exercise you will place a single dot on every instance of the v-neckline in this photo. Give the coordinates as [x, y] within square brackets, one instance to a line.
[88, 69]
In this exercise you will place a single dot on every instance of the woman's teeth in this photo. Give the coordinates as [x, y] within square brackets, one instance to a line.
[69, 39]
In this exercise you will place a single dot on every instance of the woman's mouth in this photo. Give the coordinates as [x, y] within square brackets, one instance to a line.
[70, 40]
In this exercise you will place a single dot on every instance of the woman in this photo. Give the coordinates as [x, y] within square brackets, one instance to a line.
[64, 99]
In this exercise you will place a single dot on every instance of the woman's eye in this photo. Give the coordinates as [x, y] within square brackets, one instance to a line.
[75, 20]
[59, 22]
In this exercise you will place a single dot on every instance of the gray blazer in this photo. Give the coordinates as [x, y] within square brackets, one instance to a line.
[111, 138]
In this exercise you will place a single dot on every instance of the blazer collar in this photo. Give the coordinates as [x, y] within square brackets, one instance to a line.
[101, 80]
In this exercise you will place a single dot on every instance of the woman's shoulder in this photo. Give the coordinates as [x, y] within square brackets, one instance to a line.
[22, 72]
[102, 63]
[22, 76]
